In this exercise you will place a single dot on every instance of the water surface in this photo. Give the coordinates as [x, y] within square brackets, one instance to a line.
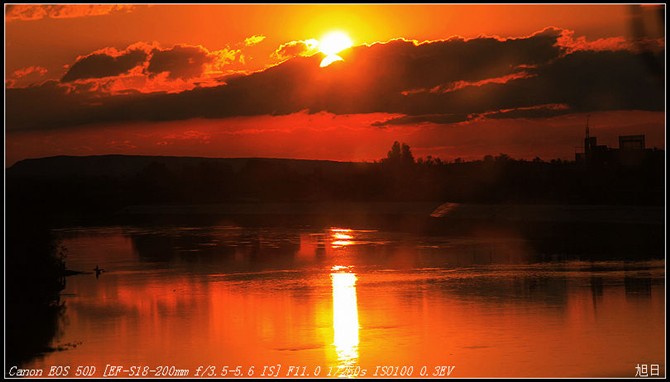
[490, 305]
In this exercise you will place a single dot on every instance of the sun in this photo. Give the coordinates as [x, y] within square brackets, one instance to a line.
[330, 59]
[333, 43]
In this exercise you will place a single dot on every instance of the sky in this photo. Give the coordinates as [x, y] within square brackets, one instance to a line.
[249, 80]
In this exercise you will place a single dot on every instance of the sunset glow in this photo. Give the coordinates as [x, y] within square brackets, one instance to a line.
[371, 190]
[430, 75]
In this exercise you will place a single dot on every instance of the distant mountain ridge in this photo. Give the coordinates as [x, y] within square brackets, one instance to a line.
[119, 165]
[112, 182]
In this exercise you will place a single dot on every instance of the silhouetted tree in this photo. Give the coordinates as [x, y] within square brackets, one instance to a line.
[503, 158]
[399, 154]
[407, 154]
[429, 161]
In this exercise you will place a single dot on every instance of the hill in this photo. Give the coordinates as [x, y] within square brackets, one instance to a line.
[107, 184]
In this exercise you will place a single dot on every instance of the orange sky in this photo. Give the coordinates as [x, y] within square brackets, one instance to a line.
[92, 79]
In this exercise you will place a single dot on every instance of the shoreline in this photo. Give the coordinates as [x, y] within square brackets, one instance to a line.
[519, 213]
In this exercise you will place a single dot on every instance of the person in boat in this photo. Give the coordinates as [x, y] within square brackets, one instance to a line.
[98, 271]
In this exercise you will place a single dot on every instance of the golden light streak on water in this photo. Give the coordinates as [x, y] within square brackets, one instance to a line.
[341, 237]
[345, 316]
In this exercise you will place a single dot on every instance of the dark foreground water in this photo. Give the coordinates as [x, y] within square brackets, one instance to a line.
[177, 300]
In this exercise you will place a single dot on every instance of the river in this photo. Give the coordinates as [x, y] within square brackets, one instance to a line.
[226, 300]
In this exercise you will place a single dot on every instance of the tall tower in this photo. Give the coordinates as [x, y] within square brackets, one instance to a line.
[589, 142]
[588, 116]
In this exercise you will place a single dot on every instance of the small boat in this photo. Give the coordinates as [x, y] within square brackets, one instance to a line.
[98, 271]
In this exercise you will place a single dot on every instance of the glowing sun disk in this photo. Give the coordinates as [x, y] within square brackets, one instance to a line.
[331, 44]
[330, 59]
[334, 43]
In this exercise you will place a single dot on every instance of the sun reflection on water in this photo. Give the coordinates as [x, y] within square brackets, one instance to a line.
[345, 315]
[341, 237]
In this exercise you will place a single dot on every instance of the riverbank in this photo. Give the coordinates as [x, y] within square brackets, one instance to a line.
[528, 213]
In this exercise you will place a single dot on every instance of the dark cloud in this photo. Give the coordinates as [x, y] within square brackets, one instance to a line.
[539, 111]
[439, 119]
[100, 65]
[183, 62]
[442, 62]
[47, 105]
[379, 78]
[146, 68]
[607, 80]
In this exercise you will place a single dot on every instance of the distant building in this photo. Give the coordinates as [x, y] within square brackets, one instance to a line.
[631, 142]
[631, 152]
[593, 154]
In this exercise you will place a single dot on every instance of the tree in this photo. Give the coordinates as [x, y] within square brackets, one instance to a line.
[399, 154]
[407, 154]
[503, 158]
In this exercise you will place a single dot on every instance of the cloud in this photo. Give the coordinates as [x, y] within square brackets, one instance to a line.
[570, 43]
[188, 135]
[253, 40]
[38, 12]
[296, 48]
[440, 119]
[455, 79]
[23, 72]
[188, 61]
[537, 111]
[50, 98]
[149, 68]
[179, 62]
[183, 62]
[25, 76]
[105, 64]
[457, 85]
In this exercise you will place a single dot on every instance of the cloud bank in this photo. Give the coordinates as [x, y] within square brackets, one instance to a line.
[548, 73]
